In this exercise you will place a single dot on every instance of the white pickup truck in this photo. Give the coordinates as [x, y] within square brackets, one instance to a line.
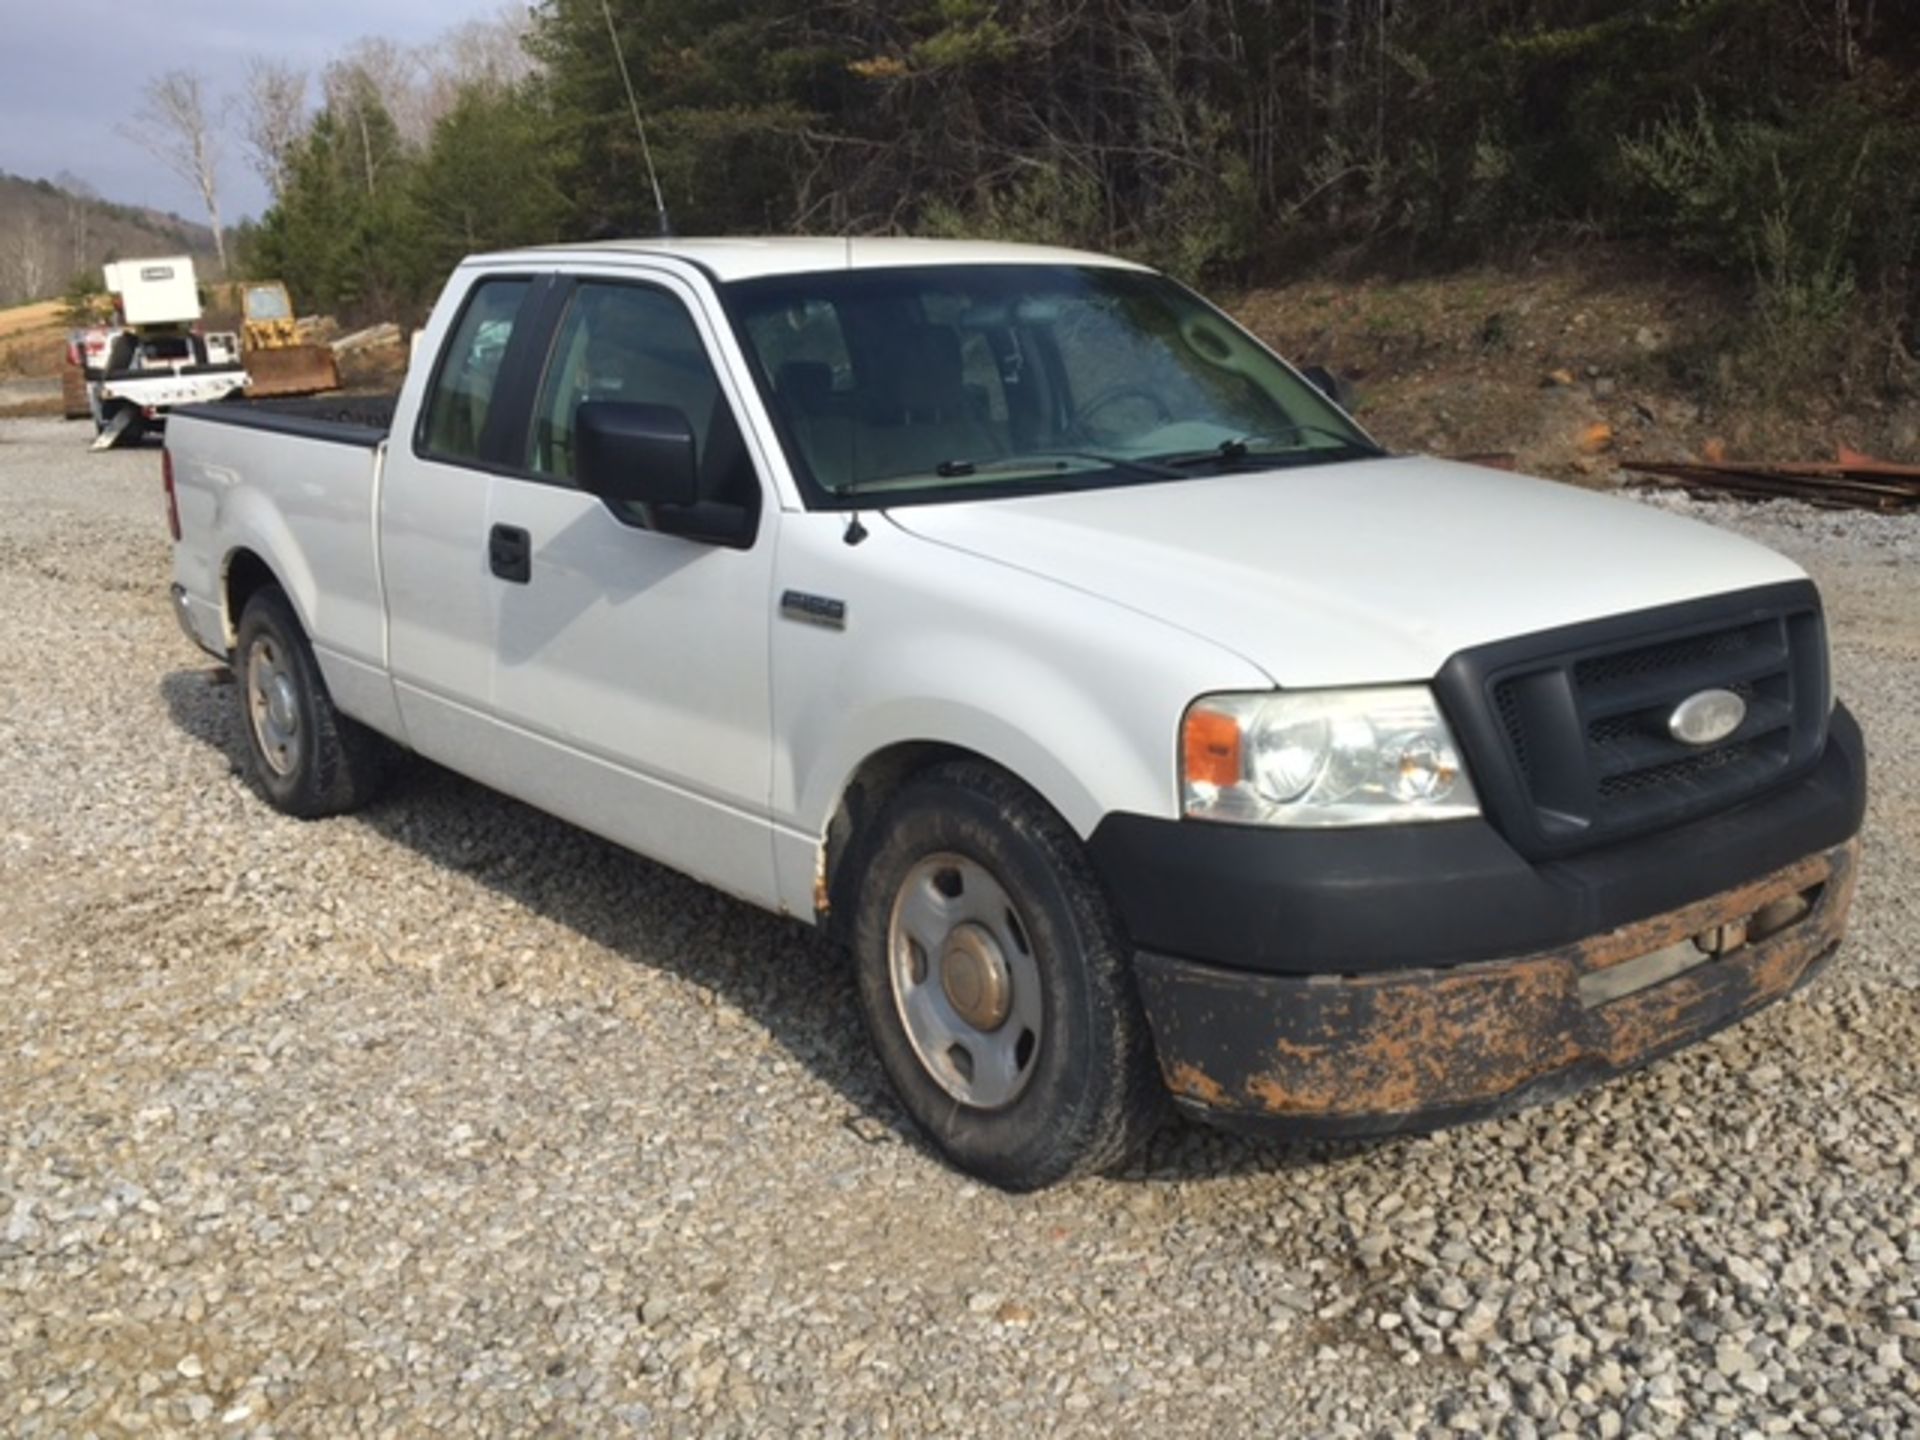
[1142, 726]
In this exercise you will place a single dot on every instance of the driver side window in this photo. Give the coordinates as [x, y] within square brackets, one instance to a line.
[629, 344]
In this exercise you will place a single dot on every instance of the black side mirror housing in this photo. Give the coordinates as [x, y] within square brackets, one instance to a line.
[635, 454]
[1325, 381]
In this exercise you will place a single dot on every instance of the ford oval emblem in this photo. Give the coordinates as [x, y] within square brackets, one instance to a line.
[1706, 718]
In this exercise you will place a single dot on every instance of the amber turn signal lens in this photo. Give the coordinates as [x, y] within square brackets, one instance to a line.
[1210, 748]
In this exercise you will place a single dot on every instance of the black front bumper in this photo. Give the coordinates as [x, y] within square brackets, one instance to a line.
[1347, 902]
[1366, 981]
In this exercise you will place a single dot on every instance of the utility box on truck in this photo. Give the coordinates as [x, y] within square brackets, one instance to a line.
[156, 355]
[160, 291]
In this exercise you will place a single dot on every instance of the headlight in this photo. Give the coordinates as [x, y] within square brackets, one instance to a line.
[1322, 757]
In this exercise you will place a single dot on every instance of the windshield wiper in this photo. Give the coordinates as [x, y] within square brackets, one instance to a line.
[1057, 460]
[1042, 469]
[1241, 447]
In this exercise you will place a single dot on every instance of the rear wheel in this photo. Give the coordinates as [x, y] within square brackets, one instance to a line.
[997, 985]
[306, 758]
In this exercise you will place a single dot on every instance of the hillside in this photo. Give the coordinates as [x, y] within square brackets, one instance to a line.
[48, 234]
[1569, 363]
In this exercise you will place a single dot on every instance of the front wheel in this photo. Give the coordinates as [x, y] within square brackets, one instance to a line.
[997, 985]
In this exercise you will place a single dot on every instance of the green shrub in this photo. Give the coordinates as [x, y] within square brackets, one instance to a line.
[1806, 207]
[1043, 205]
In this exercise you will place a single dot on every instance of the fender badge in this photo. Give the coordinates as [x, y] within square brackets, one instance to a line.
[814, 609]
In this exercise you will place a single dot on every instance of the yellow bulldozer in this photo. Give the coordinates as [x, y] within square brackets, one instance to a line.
[278, 361]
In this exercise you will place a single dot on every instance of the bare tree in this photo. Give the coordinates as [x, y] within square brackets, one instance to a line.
[417, 85]
[376, 76]
[491, 53]
[80, 198]
[174, 126]
[388, 72]
[273, 116]
[29, 258]
[352, 97]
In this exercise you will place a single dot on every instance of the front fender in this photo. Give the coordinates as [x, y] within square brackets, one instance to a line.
[1076, 696]
[1066, 746]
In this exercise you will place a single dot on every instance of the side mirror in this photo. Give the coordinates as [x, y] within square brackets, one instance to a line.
[1323, 380]
[636, 454]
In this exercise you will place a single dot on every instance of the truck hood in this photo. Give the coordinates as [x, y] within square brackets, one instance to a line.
[1360, 572]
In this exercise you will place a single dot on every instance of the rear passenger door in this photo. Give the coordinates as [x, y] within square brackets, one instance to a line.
[630, 673]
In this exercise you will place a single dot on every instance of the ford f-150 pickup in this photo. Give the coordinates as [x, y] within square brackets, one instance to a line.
[1141, 725]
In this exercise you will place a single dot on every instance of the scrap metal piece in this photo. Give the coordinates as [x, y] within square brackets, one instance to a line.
[1852, 481]
[118, 424]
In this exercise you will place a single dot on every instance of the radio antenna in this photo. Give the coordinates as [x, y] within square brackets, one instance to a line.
[646, 150]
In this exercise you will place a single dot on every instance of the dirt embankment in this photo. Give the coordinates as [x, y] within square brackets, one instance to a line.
[21, 319]
[33, 342]
[1568, 363]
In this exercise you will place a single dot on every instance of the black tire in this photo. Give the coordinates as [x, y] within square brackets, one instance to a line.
[334, 764]
[1092, 1093]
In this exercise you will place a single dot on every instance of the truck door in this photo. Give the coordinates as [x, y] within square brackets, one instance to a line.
[630, 672]
[441, 601]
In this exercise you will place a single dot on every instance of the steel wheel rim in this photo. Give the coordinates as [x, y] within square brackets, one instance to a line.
[273, 706]
[966, 984]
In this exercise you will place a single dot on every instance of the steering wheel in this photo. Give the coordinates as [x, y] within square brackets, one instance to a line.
[1112, 394]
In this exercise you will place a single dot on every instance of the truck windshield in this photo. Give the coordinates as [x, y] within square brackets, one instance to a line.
[924, 384]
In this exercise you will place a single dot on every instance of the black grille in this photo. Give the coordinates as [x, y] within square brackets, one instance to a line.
[1688, 770]
[1690, 654]
[1510, 716]
[1568, 731]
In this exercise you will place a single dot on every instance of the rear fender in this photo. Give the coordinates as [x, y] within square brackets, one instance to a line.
[253, 525]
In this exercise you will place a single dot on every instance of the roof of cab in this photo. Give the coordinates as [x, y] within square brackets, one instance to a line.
[746, 258]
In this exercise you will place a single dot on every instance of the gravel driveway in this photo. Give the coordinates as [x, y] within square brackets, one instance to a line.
[450, 1118]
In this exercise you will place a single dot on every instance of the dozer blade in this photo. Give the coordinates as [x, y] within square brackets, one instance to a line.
[292, 370]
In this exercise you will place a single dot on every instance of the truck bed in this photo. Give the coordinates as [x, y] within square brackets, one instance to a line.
[296, 479]
[343, 419]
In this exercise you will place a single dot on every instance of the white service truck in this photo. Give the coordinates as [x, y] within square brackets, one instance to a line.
[154, 357]
[1143, 727]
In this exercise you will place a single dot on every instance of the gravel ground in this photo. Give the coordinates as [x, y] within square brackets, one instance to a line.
[449, 1118]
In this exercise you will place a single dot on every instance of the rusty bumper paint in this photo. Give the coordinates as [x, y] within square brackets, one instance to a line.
[1420, 1049]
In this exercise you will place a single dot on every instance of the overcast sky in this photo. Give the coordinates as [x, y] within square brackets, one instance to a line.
[71, 70]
